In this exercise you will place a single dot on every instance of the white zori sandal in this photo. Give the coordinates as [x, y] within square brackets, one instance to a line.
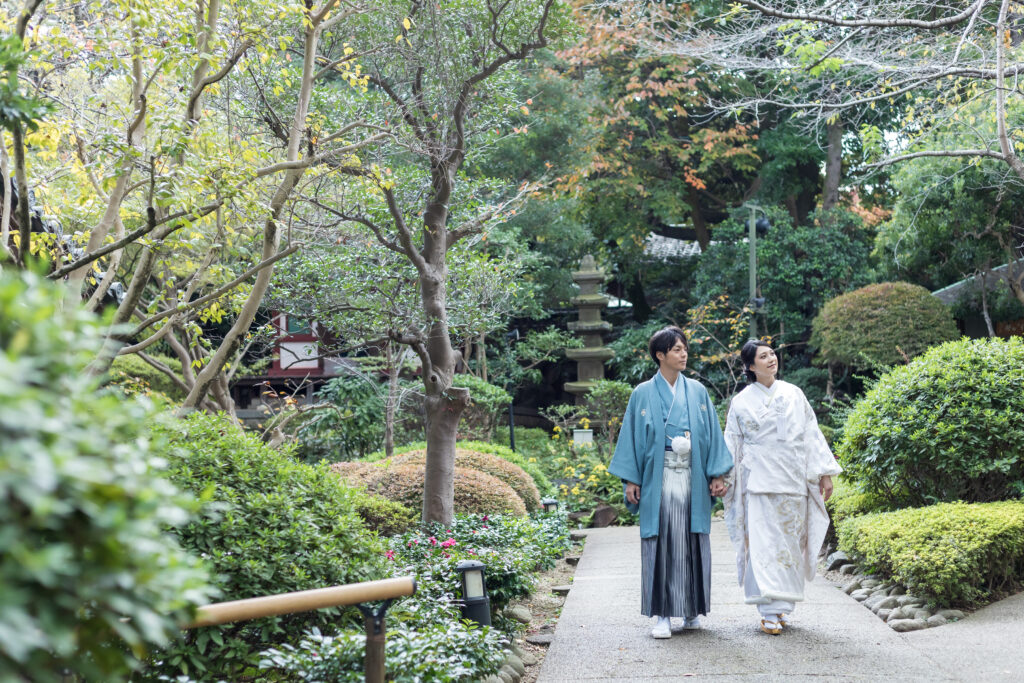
[663, 629]
[771, 626]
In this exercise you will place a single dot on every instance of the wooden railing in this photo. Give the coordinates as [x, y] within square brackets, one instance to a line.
[359, 594]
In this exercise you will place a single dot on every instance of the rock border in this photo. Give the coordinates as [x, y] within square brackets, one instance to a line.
[890, 602]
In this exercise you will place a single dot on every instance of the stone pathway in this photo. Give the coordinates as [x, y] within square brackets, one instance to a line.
[602, 637]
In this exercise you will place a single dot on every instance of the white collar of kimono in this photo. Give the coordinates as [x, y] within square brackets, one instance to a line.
[769, 392]
[675, 389]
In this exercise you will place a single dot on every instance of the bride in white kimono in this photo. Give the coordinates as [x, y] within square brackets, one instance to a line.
[775, 507]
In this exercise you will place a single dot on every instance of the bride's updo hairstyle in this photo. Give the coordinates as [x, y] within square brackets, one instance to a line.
[747, 354]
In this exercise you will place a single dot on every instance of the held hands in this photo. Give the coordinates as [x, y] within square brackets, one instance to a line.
[825, 486]
[632, 493]
[718, 486]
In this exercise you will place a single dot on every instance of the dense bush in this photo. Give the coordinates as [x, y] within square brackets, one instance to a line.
[90, 579]
[136, 376]
[514, 476]
[474, 491]
[438, 653]
[528, 439]
[427, 640]
[848, 501]
[954, 553]
[384, 516]
[881, 325]
[270, 525]
[945, 427]
[350, 428]
[486, 405]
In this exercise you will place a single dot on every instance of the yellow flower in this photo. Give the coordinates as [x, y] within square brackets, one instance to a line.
[556, 429]
[575, 490]
[531, 460]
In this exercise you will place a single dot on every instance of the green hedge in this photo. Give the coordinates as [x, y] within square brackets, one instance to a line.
[881, 325]
[89, 578]
[946, 427]
[848, 500]
[954, 553]
[269, 525]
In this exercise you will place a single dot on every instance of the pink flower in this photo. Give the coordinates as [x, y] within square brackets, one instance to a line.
[433, 541]
[484, 519]
[390, 554]
[449, 543]
[471, 551]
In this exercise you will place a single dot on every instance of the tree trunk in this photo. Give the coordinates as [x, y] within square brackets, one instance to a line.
[443, 413]
[833, 166]
[390, 403]
[481, 356]
[700, 226]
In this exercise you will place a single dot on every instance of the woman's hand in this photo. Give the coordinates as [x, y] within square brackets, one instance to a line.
[632, 493]
[718, 486]
[825, 486]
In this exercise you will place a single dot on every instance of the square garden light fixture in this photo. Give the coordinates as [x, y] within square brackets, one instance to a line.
[476, 605]
[549, 504]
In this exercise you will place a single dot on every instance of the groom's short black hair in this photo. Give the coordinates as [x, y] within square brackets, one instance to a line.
[664, 339]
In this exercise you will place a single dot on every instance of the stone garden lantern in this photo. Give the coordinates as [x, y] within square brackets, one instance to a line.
[591, 358]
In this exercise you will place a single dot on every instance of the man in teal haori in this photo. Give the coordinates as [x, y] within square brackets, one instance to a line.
[672, 458]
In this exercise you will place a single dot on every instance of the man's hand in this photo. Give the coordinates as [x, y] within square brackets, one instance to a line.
[632, 493]
[825, 486]
[718, 486]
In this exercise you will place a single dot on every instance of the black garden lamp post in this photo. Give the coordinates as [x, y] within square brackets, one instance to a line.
[549, 504]
[476, 606]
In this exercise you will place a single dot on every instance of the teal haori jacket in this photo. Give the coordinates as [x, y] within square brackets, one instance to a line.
[640, 453]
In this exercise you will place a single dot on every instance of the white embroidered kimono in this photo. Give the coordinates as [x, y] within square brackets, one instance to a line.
[774, 511]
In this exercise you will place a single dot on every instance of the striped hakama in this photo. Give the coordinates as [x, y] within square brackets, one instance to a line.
[675, 574]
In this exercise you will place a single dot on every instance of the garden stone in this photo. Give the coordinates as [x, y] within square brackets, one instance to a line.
[904, 625]
[604, 516]
[869, 583]
[937, 620]
[561, 590]
[898, 590]
[910, 600]
[507, 675]
[952, 614]
[577, 535]
[578, 515]
[527, 658]
[519, 613]
[883, 614]
[852, 586]
[516, 664]
[573, 560]
[898, 613]
[494, 678]
[540, 639]
[922, 614]
[848, 569]
[836, 560]
[860, 594]
[886, 602]
[877, 592]
[872, 602]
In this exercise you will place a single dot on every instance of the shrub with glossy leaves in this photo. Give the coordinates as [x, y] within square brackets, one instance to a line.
[514, 476]
[954, 553]
[136, 376]
[945, 427]
[269, 525]
[90, 577]
[881, 325]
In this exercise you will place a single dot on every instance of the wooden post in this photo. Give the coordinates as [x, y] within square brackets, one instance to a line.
[373, 663]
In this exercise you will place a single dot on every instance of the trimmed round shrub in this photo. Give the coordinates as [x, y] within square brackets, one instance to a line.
[91, 579]
[270, 525]
[881, 325]
[475, 492]
[946, 427]
[954, 553]
[384, 516]
[136, 376]
[528, 464]
[514, 476]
